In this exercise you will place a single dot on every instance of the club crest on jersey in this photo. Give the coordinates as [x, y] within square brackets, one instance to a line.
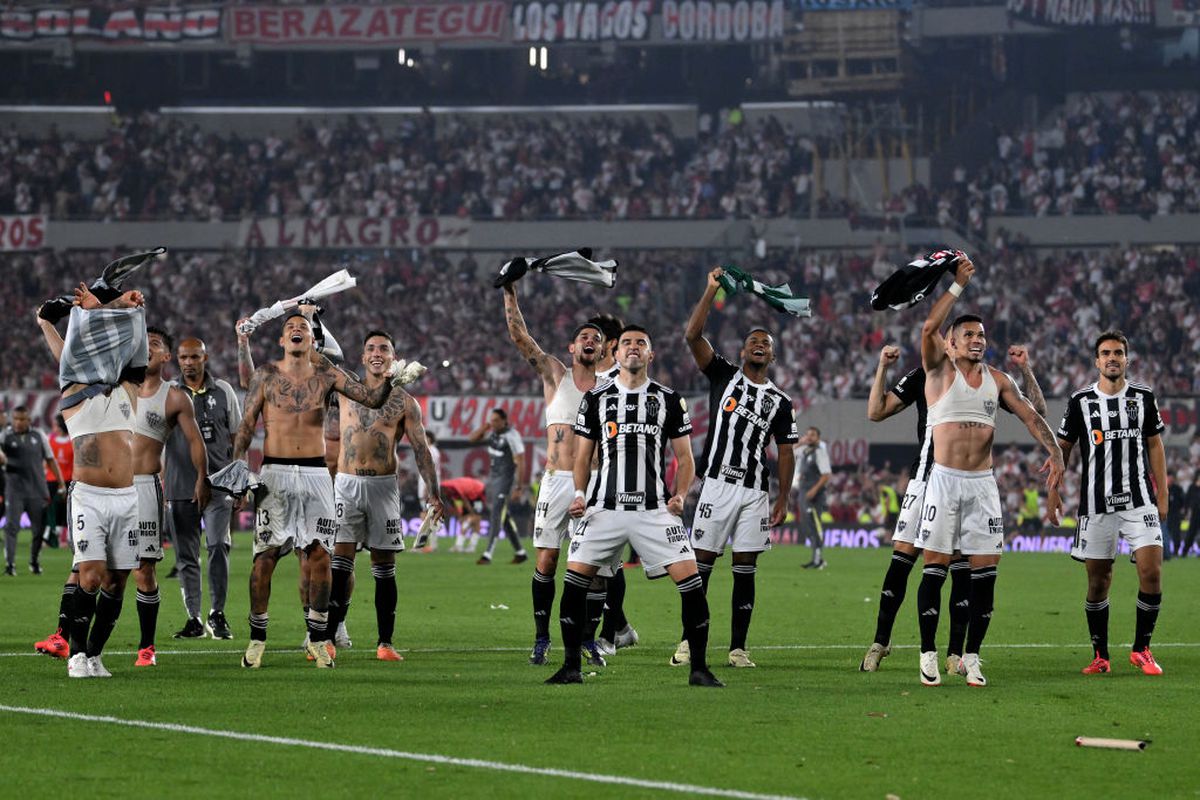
[652, 407]
[767, 405]
[989, 406]
[1131, 411]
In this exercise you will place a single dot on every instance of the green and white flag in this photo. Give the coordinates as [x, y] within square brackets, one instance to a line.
[781, 297]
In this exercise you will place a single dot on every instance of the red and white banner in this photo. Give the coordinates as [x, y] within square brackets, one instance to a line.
[354, 232]
[26, 232]
[145, 23]
[392, 24]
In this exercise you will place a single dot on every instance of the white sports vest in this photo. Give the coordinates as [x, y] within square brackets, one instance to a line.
[152, 414]
[564, 407]
[961, 403]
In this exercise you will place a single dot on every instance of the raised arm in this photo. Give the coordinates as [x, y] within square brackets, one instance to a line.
[255, 398]
[549, 368]
[347, 384]
[682, 447]
[1018, 356]
[185, 419]
[53, 338]
[702, 350]
[414, 429]
[933, 348]
[479, 433]
[245, 359]
[881, 403]
[1036, 425]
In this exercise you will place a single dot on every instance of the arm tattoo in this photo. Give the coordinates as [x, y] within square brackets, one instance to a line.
[254, 406]
[245, 363]
[1046, 436]
[1032, 390]
[526, 346]
[355, 389]
[416, 438]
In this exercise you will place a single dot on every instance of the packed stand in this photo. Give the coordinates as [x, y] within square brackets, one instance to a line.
[151, 167]
[443, 310]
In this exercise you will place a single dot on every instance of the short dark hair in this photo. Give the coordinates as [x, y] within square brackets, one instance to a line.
[609, 325]
[759, 329]
[21, 409]
[814, 429]
[503, 414]
[632, 328]
[1111, 335]
[962, 319]
[581, 328]
[60, 421]
[154, 330]
[377, 332]
[295, 312]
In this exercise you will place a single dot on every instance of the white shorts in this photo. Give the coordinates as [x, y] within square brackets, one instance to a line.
[1098, 534]
[104, 525]
[551, 522]
[962, 512]
[658, 536]
[368, 511]
[297, 511]
[909, 523]
[150, 516]
[728, 512]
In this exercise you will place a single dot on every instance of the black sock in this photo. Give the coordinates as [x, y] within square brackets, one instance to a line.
[317, 625]
[695, 619]
[960, 606]
[81, 618]
[929, 604]
[705, 570]
[108, 611]
[891, 596]
[147, 609]
[65, 607]
[572, 614]
[385, 600]
[614, 606]
[983, 598]
[341, 568]
[742, 605]
[543, 603]
[1097, 619]
[595, 610]
[258, 627]
[1147, 615]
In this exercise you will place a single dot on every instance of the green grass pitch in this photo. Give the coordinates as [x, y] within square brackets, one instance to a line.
[805, 723]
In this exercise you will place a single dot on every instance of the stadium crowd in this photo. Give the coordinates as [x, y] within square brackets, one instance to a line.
[444, 312]
[150, 167]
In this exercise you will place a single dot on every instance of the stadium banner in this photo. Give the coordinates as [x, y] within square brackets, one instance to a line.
[1186, 12]
[722, 21]
[581, 20]
[850, 5]
[23, 232]
[306, 233]
[392, 24]
[129, 24]
[1083, 13]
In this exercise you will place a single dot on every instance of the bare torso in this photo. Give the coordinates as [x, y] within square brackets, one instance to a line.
[960, 445]
[369, 436]
[293, 409]
[104, 459]
[560, 438]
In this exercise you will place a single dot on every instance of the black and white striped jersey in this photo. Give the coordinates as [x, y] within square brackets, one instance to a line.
[741, 416]
[911, 390]
[1111, 431]
[632, 429]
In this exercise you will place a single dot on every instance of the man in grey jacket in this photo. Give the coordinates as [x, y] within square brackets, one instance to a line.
[218, 415]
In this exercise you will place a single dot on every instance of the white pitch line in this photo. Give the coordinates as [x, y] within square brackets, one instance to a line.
[436, 650]
[428, 758]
